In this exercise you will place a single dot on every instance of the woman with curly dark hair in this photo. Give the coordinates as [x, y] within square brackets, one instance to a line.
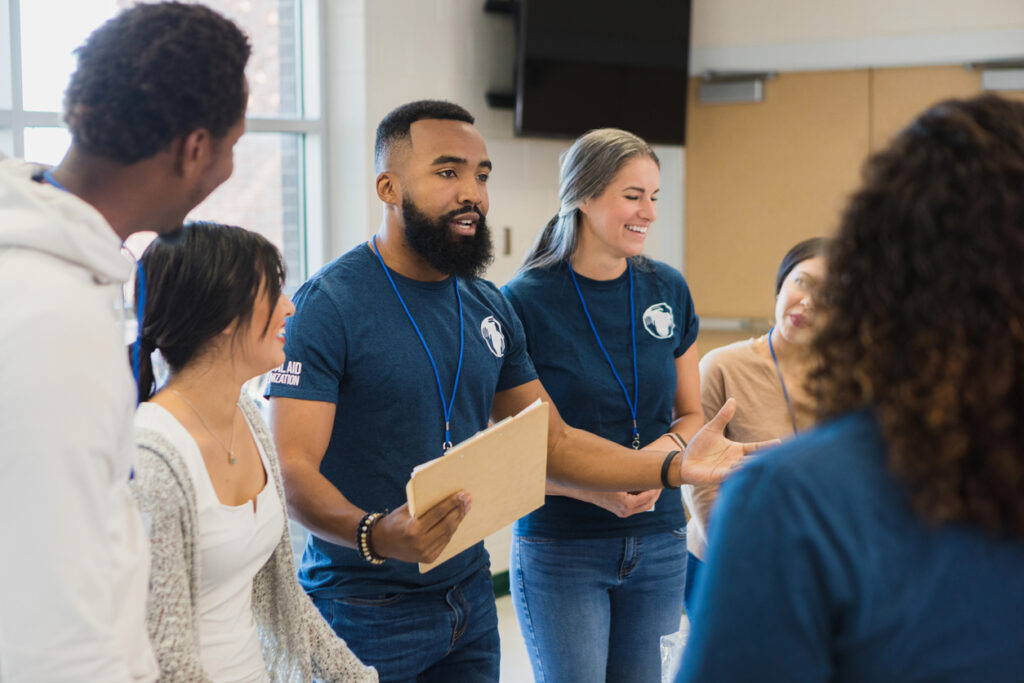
[889, 544]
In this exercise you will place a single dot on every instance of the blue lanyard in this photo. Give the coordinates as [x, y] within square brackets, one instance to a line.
[48, 177]
[140, 304]
[632, 329]
[451, 404]
[785, 392]
[140, 309]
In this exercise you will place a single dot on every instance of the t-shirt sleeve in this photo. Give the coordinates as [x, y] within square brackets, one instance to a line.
[712, 384]
[700, 498]
[689, 326]
[761, 607]
[314, 349]
[517, 367]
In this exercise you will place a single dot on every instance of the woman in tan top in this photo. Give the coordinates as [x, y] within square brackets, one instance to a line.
[766, 376]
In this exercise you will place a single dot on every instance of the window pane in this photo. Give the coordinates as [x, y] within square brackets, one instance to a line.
[47, 45]
[6, 99]
[46, 145]
[273, 69]
[6, 141]
[263, 194]
[49, 32]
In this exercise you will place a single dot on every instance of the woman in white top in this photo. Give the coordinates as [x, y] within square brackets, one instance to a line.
[224, 603]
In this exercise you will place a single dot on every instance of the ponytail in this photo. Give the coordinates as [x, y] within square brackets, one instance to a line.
[147, 377]
[545, 251]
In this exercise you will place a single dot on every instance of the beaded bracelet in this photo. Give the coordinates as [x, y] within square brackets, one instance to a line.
[678, 439]
[363, 530]
[664, 470]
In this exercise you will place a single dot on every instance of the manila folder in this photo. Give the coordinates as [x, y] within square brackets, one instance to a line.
[503, 468]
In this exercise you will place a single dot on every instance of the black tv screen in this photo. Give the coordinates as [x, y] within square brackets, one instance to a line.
[584, 64]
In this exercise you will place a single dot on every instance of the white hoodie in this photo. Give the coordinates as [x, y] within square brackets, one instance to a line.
[75, 569]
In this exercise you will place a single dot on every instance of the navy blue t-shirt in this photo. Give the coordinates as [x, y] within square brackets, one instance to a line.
[577, 376]
[818, 569]
[350, 343]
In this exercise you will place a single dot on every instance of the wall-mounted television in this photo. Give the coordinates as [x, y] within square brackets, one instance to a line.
[583, 64]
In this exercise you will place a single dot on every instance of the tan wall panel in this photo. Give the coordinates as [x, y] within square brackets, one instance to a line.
[762, 176]
[899, 95]
[708, 340]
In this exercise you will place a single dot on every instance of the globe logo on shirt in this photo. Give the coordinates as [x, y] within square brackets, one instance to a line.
[490, 329]
[659, 321]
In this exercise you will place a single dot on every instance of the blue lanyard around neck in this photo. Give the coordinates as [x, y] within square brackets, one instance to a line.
[785, 392]
[140, 309]
[48, 177]
[632, 329]
[140, 304]
[446, 407]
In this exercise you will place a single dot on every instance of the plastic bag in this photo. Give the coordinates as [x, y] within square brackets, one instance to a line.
[672, 647]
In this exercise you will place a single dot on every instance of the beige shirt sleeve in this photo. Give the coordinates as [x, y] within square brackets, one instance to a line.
[698, 499]
[744, 371]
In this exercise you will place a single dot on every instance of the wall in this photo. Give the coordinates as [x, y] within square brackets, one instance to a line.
[850, 74]
[811, 35]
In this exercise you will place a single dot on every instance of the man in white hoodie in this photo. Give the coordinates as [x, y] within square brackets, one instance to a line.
[154, 108]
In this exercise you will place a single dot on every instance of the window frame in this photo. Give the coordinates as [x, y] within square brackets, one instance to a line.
[309, 124]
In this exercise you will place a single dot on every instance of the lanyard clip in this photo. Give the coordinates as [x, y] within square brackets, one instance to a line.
[447, 436]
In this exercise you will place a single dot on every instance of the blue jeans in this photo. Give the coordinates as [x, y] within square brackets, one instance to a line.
[444, 635]
[595, 609]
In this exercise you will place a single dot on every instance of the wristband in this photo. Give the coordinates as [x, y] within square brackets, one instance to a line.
[664, 470]
[678, 439]
[363, 530]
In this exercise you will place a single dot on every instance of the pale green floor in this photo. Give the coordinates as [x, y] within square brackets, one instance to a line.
[515, 665]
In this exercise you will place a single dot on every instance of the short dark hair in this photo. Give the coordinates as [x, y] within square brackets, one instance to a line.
[395, 126]
[924, 302]
[801, 251]
[153, 73]
[199, 285]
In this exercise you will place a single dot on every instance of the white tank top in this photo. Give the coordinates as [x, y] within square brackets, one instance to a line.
[234, 544]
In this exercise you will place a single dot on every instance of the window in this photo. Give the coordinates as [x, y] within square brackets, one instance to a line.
[278, 160]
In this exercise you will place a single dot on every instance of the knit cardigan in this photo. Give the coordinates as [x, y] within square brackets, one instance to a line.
[297, 644]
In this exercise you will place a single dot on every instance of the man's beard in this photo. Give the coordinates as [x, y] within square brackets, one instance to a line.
[465, 256]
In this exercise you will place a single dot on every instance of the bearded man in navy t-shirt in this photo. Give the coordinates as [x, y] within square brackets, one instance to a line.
[398, 349]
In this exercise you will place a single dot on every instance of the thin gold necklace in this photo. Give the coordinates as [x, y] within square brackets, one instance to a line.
[230, 451]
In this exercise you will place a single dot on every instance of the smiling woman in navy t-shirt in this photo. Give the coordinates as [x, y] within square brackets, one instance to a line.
[598, 577]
